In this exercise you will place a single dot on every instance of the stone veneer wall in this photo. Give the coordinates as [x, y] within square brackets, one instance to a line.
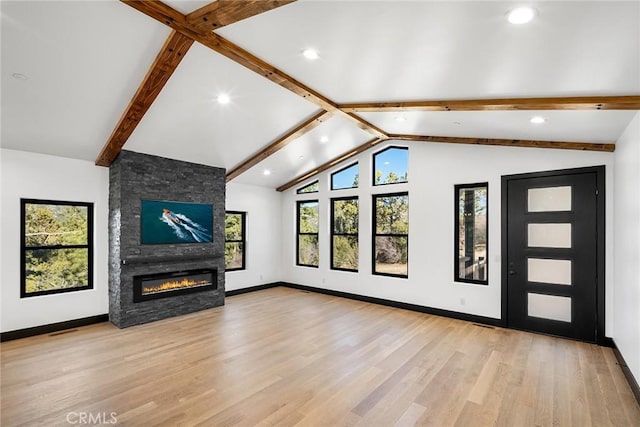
[134, 177]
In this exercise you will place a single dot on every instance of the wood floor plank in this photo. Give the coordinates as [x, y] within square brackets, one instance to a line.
[561, 392]
[391, 409]
[411, 416]
[283, 357]
[594, 393]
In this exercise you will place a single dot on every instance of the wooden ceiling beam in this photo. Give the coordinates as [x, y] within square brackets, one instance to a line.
[626, 102]
[166, 62]
[352, 153]
[224, 12]
[561, 145]
[280, 143]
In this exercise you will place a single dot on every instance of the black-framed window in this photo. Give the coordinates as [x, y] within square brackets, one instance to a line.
[307, 248]
[391, 234]
[471, 228]
[346, 177]
[312, 187]
[235, 240]
[56, 247]
[344, 233]
[391, 166]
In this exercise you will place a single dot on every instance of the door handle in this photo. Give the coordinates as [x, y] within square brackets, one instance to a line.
[512, 273]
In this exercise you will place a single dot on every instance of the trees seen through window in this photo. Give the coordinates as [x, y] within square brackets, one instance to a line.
[235, 240]
[344, 234]
[391, 166]
[57, 247]
[391, 234]
[347, 177]
[309, 188]
[308, 251]
[471, 233]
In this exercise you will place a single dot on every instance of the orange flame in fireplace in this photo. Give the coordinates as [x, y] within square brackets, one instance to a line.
[174, 284]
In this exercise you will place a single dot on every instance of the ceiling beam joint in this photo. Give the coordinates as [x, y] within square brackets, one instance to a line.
[280, 143]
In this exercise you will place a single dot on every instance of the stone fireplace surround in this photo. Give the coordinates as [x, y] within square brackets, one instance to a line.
[132, 178]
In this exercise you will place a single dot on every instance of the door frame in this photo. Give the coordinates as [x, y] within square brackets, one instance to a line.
[601, 338]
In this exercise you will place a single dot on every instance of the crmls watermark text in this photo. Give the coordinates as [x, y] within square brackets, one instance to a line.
[92, 418]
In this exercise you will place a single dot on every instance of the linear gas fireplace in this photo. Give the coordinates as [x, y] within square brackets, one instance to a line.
[163, 285]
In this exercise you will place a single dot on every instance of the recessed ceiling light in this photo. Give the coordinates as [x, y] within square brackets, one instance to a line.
[223, 98]
[324, 139]
[266, 172]
[310, 54]
[301, 157]
[521, 15]
[401, 119]
[457, 123]
[536, 120]
[19, 76]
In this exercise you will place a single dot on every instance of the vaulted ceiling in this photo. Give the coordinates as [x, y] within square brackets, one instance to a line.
[83, 79]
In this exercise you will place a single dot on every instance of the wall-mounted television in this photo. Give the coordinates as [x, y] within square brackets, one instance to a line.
[164, 222]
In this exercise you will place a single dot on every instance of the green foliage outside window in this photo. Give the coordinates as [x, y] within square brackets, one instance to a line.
[345, 219]
[471, 223]
[308, 251]
[56, 247]
[308, 248]
[391, 218]
[234, 230]
[392, 214]
[391, 178]
[308, 216]
[310, 188]
[233, 227]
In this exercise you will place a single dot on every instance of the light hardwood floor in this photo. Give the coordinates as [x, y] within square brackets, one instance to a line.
[287, 357]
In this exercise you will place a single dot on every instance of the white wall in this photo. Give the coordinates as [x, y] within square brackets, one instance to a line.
[626, 301]
[263, 207]
[37, 176]
[434, 169]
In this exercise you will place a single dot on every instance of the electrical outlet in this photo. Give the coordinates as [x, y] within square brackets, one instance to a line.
[261, 277]
[324, 280]
[463, 301]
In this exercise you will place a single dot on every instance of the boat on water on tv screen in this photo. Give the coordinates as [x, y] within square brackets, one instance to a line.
[165, 222]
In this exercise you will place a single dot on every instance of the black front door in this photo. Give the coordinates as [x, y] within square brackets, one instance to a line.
[552, 252]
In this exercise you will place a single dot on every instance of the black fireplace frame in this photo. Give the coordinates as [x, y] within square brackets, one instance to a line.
[138, 296]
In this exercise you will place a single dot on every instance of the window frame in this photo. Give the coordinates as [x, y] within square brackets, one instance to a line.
[456, 238]
[243, 222]
[373, 174]
[334, 234]
[374, 234]
[298, 233]
[298, 190]
[342, 170]
[24, 248]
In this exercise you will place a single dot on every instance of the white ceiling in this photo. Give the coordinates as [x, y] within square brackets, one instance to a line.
[85, 59]
[586, 126]
[390, 50]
